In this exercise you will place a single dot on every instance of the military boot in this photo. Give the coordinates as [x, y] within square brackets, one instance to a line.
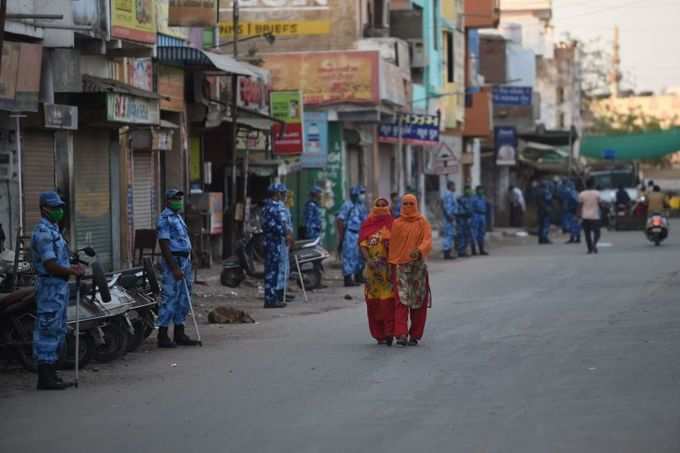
[349, 282]
[473, 248]
[164, 340]
[359, 278]
[47, 378]
[482, 249]
[182, 339]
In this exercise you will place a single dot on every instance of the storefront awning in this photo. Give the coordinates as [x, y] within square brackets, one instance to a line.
[651, 145]
[191, 56]
[92, 84]
[257, 120]
[551, 138]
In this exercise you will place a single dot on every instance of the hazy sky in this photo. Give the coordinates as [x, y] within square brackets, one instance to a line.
[650, 35]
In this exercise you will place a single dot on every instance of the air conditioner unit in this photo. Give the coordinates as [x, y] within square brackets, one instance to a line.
[418, 54]
[6, 170]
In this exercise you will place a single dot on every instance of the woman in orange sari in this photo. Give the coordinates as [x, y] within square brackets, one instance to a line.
[374, 237]
[410, 245]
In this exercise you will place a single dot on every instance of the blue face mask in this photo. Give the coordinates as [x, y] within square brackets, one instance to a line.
[362, 198]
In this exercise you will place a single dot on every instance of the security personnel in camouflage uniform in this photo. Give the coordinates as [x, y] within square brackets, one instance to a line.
[51, 261]
[449, 210]
[312, 214]
[175, 245]
[480, 207]
[277, 237]
[348, 221]
[464, 223]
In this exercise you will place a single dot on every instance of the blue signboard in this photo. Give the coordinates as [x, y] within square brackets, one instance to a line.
[506, 145]
[514, 96]
[473, 44]
[315, 154]
[609, 154]
[416, 129]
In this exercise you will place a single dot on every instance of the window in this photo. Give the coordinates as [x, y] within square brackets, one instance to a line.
[560, 95]
[450, 63]
[562, 121]
[379, 13]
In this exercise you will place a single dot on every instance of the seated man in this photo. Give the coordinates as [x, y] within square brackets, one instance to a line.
[658, 203]
[622, 197]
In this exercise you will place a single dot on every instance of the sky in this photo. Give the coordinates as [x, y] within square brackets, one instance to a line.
[649, 35]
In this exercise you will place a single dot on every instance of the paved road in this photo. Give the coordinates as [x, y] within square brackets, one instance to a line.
[536, 349]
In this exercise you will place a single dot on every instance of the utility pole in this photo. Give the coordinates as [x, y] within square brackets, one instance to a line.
[234, 127]
[3, 17]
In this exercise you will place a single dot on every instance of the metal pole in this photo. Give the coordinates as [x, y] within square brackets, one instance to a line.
[400, 156]
[3, 18]
[20, 173]
[234, 124]
[77, 364]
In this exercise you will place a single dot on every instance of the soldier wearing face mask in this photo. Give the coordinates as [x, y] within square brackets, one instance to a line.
[348, 222]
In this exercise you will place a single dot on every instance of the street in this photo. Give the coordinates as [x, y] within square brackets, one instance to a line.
[534, 349]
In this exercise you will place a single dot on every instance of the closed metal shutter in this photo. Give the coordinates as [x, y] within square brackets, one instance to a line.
[142, 191]
[93, 194]
[38, 174]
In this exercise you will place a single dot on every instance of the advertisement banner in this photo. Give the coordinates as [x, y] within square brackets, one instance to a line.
[327, 78]
[287, 107]
[515, 96]
[315, 153]
[134, 20]
[506, 145]
[140, 73]
[193, 13]
[416, 129]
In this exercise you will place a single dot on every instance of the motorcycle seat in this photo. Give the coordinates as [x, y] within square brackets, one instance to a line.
[305, 244]
[16, 296]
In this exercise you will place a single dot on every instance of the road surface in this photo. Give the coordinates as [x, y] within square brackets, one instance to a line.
[535, 349]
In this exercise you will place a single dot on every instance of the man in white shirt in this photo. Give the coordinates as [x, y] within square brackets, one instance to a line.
[589, 207]
[518, 206]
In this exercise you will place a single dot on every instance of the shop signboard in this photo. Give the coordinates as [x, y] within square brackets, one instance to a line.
[327, 78]
[123, 108]
[193, 13]
[315, 153]
[253, 94]
[61, 116]
[506, 146]
[416, 129]
[134, 20]
[278, 17]
[512, 96]
[287, 138]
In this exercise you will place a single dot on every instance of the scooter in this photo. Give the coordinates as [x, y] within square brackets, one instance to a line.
[306, 258]
[657, 228]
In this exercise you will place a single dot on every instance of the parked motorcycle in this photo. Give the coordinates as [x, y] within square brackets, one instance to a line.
[142, 285]
[306, 257]
[657, 228]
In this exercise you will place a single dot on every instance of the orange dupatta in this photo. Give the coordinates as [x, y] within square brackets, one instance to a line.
[410, 232]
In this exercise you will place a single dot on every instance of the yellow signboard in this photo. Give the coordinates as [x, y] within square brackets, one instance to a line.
[134, 20]
[277, 28]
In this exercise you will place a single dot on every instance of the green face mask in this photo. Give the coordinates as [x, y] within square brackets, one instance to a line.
[56, 215]
[176, 205]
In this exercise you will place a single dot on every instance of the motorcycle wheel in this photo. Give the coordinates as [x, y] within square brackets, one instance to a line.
[657, 242]
[256, 248]
[151, 277]
[115, 342]
[135, 340]
[99, 279]
[149, 320]
[311, 278]
[22, 344]
[231, 278]
[85, 355]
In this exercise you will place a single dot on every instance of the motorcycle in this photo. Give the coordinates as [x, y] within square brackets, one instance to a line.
[657, 228]
[306, 257]
[142, 285]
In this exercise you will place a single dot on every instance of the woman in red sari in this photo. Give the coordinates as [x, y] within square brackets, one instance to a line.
[410, 245]
[374, 238]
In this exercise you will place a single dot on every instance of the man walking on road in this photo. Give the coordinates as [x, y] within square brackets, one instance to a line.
[589, 201]
[175, 245]
[449, 211]
[52, 262]
[348, 222]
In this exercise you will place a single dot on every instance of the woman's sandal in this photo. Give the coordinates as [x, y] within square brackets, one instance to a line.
[402, 341]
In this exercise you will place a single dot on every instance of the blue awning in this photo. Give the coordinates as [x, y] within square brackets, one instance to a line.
[191, 56]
